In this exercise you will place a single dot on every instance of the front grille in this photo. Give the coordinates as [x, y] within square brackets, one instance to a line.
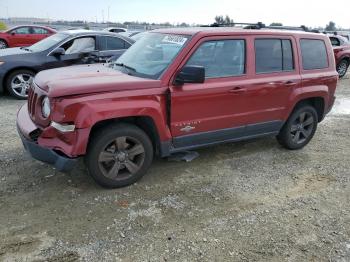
[32, 101]
[35, 96]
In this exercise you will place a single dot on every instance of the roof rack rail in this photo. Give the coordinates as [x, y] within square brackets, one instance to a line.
[246, 25]
[261, 25]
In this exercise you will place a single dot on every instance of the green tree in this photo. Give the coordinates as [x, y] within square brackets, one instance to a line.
[228, 20]
[331, 26]
[184, 24]
[219, 19]
[3, 26]
[276, 24]
[86, 26]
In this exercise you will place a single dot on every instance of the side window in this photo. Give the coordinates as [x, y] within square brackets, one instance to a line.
[79, 45]
[314, 54]
[40, 31]
[111, 43]
[22, 31]
[273, 55]
[220, 58]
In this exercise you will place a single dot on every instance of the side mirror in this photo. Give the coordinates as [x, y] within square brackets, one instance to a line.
[12, 33]
[190, 74]
[58, 52]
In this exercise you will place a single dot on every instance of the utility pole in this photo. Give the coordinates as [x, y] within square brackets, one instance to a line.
[103, 16]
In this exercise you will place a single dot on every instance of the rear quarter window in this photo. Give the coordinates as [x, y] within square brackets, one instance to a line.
[314, 54]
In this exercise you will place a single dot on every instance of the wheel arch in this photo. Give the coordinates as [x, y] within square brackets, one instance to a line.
[3, 39]
[317, 102]
[145, 123]
[347, 58]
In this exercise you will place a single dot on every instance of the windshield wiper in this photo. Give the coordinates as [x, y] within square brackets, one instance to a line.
[125, 66]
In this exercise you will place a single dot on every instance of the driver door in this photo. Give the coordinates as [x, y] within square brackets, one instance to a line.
[77, 52]
[20, 36]
[214, 110]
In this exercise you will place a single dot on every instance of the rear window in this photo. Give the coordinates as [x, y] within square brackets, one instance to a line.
[314, 54]
[273, 55]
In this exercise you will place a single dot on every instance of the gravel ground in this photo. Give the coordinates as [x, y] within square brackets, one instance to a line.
[249, 201]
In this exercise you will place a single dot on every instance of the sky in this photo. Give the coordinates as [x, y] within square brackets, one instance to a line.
[292, 12]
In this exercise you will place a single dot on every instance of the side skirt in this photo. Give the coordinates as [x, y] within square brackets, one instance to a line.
[205, 139]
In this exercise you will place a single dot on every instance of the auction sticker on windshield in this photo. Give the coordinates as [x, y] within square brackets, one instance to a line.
[175, 39]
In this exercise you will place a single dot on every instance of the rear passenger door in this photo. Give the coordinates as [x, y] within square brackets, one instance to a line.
[111, 46]
[276, 75]
[38, 34]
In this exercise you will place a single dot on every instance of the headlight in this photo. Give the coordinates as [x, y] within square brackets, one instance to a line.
[1, 63]
[45, 107]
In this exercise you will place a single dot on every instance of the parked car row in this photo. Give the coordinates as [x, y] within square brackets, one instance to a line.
[19, 65]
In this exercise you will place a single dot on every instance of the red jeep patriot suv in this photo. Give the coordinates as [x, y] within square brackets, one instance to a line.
[176, 90]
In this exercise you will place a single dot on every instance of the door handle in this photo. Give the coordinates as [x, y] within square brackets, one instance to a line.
[290, 83]
[284, 83]
[237, 90]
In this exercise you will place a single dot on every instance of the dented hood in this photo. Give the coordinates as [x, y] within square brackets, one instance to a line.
[85, 79]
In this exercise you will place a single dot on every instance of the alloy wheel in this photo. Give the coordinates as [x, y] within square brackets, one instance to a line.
[3, 45]
[121, 158]
[302, 127]
[342, 68]
[21, 83]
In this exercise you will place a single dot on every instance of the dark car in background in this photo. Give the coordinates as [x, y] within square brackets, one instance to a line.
[24, 35]
[115, 29]
[18, 66]
[341, 48]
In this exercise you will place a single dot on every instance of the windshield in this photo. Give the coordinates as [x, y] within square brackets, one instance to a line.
[48, 42]
[151, 55]
[138, 36]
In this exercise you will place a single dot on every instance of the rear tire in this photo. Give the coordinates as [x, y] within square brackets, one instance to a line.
[3, 44]
[342, 67]
[19, 82]
[119, 155]
[299, 128]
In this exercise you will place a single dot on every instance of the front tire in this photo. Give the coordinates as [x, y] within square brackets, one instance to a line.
[19, 82]
[299, 128]
[119, 155]
[3, 44]
[342, 68]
